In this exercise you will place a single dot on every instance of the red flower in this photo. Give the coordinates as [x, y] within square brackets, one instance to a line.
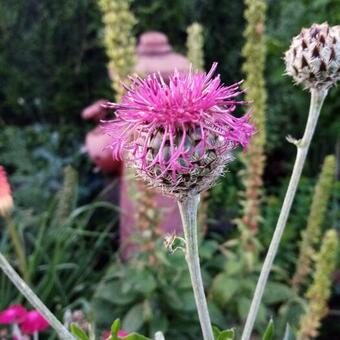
[13, 314]
[33, 323]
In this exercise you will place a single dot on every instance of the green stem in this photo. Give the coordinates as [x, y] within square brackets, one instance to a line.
[18, 247]
[188, 210]
[317, 99]
[33, 299]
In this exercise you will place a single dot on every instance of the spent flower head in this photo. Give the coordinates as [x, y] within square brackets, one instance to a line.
[178, 135]
[313, 58]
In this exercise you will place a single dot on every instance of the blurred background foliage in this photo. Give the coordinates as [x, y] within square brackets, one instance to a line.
[53, 64]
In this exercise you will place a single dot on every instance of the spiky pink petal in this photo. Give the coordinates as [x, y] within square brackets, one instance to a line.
[166, 129]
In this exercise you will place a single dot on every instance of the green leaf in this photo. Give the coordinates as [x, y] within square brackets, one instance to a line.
[208, 248]
[243, 304]
[224, 288]
[159, 322]
[143, 282]
[289, 335]
[113, 294]
[228, 334]
[135, 336]
[134, 318]
[269, 332]
[216, 314]
[78, 332]
[188, 300]
[115, 328]
[233, 267]
[277, 292]
[216, 332]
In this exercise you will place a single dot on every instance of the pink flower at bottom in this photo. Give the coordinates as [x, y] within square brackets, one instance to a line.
[33, 323]
[121, 334]
[13, 314]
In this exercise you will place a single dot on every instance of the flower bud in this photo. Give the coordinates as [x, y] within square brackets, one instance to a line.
[313, 58]
[6, 200]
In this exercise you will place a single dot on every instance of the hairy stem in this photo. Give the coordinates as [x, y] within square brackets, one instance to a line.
[317, 99]
[18, 247]
[188, 210]
[33, 299]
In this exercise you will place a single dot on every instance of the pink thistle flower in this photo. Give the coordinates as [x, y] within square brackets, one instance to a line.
[13, 314]
[33, 323]
[6, 200]
[178, 135]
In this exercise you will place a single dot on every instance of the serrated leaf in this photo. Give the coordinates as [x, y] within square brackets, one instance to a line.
[269, 332]
[289, 335]
[78, 332]
[228, 334]
[134, 318]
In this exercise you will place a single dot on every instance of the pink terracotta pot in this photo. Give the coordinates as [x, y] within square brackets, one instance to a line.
[97, 148]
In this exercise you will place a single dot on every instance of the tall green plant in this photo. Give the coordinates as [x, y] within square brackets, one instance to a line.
[119, 40]
[195, 44]
[311, 235]
[67, 196]
[254, 52]
[319, 291]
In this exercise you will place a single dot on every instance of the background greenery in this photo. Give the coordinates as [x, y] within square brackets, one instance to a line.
[52, 65]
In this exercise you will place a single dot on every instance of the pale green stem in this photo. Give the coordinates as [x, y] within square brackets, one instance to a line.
[317, 99]
[34, 300]
[18, 246]
[188, 210]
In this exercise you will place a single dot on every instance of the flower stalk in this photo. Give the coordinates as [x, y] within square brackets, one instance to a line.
[33, 299]
[18, 246]
[188, 209]
[317, 98]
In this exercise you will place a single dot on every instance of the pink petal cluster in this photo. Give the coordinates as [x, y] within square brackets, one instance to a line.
[33, 322]
[121, 334]
[166, 129]
[30, 321]
[13, 314]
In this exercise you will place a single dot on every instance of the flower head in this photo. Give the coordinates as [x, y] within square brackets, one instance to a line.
[13, 314]
[313, 58]
[6, 200]
[33, 323]
[178, 135]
